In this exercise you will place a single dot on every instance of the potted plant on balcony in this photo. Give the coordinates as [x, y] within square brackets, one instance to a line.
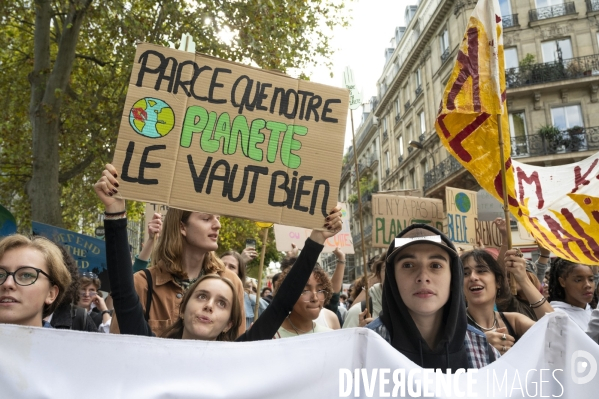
[552, 138]
[575, 138]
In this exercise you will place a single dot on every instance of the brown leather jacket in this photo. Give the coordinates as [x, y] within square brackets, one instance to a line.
[167, 298]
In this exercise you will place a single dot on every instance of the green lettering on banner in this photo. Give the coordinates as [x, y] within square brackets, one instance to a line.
[223, 130]
[207, 143]
[256, 137]
[276, 128]
[240, 127]
[195, 121]
[289, 143]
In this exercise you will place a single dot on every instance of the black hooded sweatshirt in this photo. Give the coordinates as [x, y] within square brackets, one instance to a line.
[450, 352]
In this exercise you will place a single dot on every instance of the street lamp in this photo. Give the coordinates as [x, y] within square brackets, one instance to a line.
[419, 146]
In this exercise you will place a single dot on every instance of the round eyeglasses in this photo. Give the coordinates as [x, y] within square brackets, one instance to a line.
[307, 295]
[23, 276]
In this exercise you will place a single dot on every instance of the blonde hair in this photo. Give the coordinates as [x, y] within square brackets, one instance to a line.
[169, 249]
[57, 270]
[176, 329]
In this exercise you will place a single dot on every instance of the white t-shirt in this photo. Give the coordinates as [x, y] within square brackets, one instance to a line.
[284, 333]
[580, 316]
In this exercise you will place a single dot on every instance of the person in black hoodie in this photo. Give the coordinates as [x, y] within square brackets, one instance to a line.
[423, 310]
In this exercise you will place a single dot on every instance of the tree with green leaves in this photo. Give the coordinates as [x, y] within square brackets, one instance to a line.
[65, 66]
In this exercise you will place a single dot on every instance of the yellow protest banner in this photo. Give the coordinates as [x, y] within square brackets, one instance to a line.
[557, 205]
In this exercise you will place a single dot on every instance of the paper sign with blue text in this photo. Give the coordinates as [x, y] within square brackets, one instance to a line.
[89, 252]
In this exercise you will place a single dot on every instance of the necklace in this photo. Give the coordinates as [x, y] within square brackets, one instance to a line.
[297, 330]
[492, 328]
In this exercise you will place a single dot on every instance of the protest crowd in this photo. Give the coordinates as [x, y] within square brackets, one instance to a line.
[423, 297]
[440, 307]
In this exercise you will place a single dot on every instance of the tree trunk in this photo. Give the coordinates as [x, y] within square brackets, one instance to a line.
[47, 88]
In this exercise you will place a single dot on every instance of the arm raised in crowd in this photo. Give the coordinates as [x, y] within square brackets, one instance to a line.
[126, 301]
[291, 288]
[517, 266]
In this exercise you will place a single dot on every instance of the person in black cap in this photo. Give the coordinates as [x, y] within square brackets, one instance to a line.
[424, 314]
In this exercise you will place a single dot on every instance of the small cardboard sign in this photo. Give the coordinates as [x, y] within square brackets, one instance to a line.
[151, 209]
[393, 213]
[204, 134]
[461, 215]
[287, 235]
[89, 252]
[487, 233]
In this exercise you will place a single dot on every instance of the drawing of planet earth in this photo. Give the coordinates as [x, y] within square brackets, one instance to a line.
[152, 117]
[462, 202]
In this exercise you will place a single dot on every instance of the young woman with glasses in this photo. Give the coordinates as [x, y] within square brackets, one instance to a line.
[211, 308]
[33, 279]
[316, 294]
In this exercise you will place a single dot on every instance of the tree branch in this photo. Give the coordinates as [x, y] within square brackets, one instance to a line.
[94, 59]
[67, 175]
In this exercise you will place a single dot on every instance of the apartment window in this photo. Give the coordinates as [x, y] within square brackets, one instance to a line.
[384, 119]
[548, 3]
[505, 7]
[413, 178]
[400, 146]
[402, 183]
[424, 167]
[396, 106]
[444, 41]
[387, 160]
[409, 133]
[510, 57]
[550, 50]
[418, 78]
[518, 133]
[422, 123]
[567, 117]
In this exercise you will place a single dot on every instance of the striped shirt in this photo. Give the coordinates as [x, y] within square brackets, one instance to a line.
[480, 352]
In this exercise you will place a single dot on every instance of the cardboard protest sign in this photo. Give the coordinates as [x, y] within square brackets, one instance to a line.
[392, 213]
[487, 233]
[8, 224]
[151, 209]
[89, 252]
[461, 215]
[286, 235]
[199, 133]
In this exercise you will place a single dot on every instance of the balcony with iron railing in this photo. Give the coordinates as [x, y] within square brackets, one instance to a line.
[571, 140]
[408, 105]
[397, 118]
[385, 136]
[418, 91]
[557, 10]
[445, 55]
[573, 68]
[592, 5]
[446, 168]
[509, 21]
[421, 138]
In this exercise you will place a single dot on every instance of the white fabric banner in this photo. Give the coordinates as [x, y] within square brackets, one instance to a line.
[554, 359]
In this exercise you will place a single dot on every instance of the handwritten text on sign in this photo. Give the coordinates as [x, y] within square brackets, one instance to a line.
[204, 134]
[286, 235]
[461, 215]
[391, 214]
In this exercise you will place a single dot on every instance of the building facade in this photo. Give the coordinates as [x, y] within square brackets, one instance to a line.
[552, 77]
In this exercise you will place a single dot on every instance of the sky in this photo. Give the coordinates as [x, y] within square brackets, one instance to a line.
[362, 47]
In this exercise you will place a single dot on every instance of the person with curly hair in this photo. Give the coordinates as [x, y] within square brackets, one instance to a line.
[485, 284]
[315, 295]
[572, 289]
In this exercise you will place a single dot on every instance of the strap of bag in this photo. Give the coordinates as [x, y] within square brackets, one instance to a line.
[150, 292]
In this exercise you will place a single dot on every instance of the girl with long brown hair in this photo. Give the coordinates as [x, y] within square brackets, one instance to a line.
[211, 308]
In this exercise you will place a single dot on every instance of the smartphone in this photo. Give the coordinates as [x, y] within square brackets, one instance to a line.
[250, 243]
